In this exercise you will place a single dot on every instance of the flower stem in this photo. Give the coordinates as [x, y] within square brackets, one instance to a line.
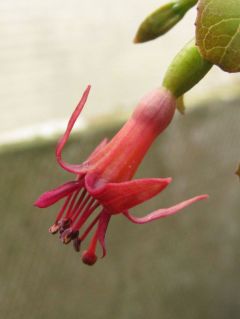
[186, 70]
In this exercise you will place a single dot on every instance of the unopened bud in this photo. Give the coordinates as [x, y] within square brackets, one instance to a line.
[162, 20]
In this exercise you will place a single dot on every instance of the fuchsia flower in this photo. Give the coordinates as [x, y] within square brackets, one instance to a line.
[103, 186]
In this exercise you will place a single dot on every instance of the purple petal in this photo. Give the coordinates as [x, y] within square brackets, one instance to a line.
[54, 195]
[73, 168]
[118, 197]
[164, 212]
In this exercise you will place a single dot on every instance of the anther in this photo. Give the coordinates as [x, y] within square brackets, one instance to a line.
[54, 228]
[77, 244]
[68, 235]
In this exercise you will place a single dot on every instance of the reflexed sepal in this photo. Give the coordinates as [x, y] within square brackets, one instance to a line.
[164, 212]
[118, 197]
[51, 197]
[73, 168]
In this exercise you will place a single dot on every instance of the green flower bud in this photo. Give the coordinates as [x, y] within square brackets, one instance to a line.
[162, 20]
[186, 70]
[218, 33]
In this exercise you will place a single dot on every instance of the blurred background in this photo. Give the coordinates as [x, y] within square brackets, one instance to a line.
[186, 266]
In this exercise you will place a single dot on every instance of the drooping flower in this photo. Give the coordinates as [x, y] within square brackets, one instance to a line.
[103, 186]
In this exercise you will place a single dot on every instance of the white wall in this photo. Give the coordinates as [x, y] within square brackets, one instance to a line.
[50, 51]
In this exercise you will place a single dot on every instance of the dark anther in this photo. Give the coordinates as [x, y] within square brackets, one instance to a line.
[68, 235]
[77, 244]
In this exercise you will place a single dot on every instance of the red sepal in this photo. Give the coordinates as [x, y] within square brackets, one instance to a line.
[164, 212]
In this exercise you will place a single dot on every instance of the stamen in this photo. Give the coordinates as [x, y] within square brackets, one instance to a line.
[59, 215]
[54, 228]
[86, 213]
[68, 235]
[84, 235]
[77, 241]
[72, 203]
[77, 244]
[78, 204]
[58, 225]
[64, 224]
[80, 208]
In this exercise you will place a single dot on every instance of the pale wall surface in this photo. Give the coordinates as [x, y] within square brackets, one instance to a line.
[50, 51]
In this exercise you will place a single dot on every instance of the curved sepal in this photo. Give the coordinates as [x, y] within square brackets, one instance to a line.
[54, 195]
[101, 231]
[118, 197]
[73, 168]
[164, 212]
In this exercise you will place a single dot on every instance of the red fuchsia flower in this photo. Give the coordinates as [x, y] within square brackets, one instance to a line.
[103, 186]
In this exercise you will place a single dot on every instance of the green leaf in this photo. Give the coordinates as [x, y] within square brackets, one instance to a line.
[218, 33]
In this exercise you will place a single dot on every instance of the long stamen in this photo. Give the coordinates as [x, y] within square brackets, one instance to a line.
[61, 212]
[56, 226]
[71, 204]
[74, 220]
[86, 213]
[84, 235]
[79, 209]
[77, 241]
[78, 204]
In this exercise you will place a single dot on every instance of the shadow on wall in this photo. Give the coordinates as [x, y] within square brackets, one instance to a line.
[186, 266]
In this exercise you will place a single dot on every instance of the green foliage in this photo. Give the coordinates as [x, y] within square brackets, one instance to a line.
[218, 33]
